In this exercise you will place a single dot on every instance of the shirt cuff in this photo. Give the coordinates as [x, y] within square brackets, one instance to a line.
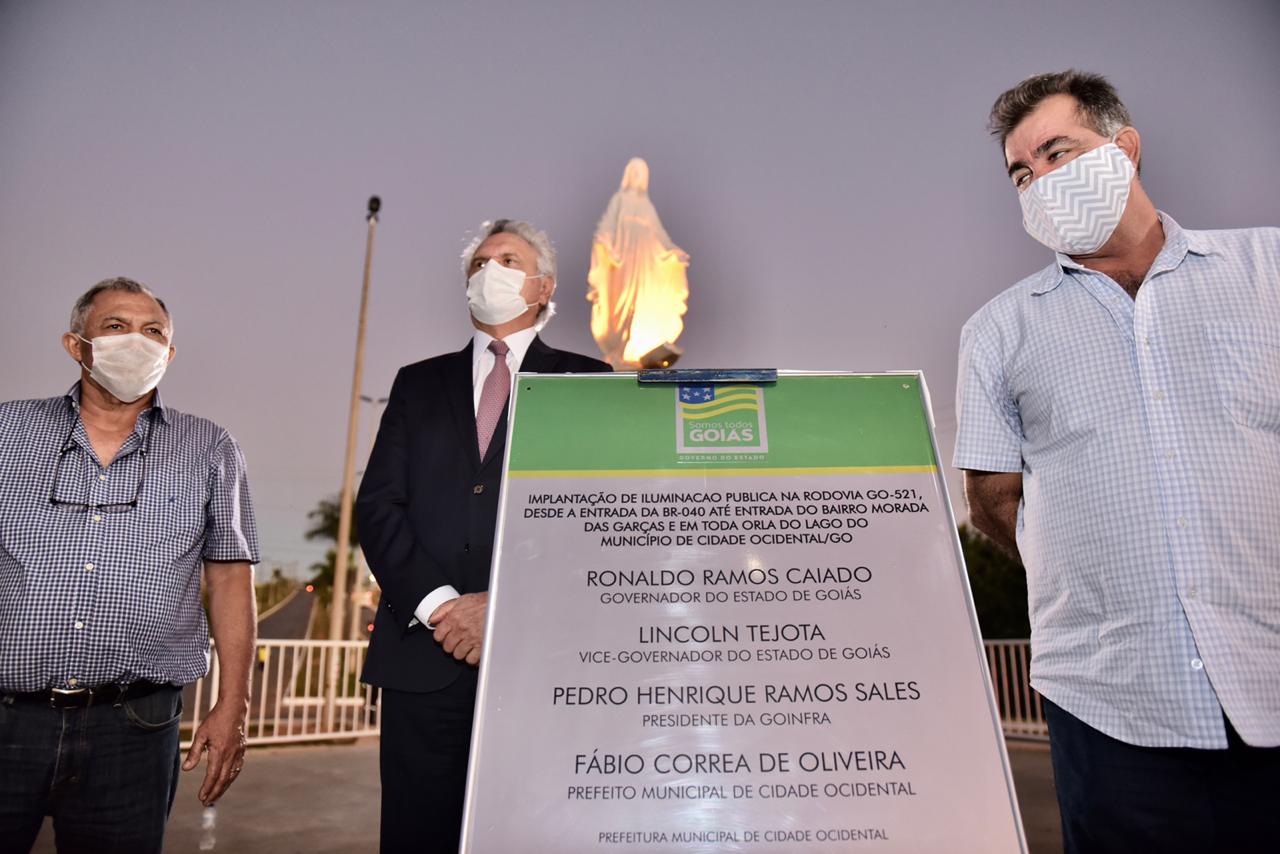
[430, 602]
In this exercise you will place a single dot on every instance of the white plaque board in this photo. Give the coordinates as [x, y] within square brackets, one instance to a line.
[732, 618]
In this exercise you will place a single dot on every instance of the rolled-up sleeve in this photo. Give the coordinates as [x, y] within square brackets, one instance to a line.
[988, 428]
[231, 533]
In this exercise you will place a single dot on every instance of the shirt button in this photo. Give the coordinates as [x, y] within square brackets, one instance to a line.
[1168, 455]
[1192, 593]
[79, 624]
[1197, 664]
[102, 477]
[88, 567]
[97, 518]
[477, 489]
[1182, 521]
[1159, 395]
[73, 681]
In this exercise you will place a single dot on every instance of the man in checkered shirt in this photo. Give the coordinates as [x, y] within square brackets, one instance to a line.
[110, 504]
[1119, 424]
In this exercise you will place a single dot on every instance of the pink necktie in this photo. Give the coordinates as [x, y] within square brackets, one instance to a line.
[493, 398]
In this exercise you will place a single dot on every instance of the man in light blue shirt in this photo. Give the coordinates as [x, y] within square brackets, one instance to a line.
[1119, 427]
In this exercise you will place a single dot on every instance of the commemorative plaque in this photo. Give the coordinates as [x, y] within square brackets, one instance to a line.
[732, 617]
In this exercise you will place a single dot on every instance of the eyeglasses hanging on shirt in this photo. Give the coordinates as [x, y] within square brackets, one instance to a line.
[108, 507]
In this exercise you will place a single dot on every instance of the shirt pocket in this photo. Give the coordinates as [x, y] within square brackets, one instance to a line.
[1246, 365]
[173, 517]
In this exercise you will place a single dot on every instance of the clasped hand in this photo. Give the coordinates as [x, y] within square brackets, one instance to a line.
[460, 626]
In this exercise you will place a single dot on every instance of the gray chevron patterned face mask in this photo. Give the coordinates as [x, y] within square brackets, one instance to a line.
[1076, 209]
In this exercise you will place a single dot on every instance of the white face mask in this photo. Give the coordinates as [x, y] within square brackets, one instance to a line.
[493, 293]
[1076, 209]
[129, 365]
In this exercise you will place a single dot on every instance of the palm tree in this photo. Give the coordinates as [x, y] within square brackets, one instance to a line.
[324, 526]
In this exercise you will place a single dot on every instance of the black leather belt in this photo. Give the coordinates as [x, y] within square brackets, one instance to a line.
[76, 698]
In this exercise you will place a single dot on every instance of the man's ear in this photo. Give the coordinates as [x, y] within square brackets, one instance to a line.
[548, 288]
[1130, 143]
[173, 351]
[77, 349]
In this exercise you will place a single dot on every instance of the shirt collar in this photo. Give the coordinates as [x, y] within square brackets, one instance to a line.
[157, 405]
[1177, 243]
[518, 342]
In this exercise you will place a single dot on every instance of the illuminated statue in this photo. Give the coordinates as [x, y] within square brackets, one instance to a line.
[637, 283]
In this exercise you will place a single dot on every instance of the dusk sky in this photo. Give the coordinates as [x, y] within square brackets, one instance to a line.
[825, 165]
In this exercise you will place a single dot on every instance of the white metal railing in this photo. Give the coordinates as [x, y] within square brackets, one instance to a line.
[1021, 712]
[291, 699]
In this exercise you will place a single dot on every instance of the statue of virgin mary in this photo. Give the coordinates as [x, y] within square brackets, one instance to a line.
[637, 283]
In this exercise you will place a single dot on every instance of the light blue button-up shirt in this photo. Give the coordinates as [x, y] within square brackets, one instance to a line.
[1147, 433]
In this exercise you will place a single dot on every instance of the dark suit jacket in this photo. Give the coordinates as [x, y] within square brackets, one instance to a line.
[428, 506]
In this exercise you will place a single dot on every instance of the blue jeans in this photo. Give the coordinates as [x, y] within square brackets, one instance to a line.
[106, 774]
[1116, 797]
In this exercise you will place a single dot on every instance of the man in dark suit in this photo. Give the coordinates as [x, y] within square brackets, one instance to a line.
[427, 508]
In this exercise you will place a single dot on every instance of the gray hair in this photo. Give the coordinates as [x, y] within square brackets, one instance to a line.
[527, 231]
[80, 311]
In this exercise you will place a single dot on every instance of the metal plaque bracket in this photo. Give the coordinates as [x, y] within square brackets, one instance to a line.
[708, 376]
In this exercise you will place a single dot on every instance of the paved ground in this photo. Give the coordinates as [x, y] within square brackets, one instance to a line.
[324, 800]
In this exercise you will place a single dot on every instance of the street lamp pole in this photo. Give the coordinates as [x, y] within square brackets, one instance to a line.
[343, 551]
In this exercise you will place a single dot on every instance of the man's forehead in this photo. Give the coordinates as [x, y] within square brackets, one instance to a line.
[1057, 115]
[499, 244]
[126, 305]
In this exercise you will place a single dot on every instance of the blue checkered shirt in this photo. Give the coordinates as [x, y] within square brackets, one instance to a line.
[92, 597]
[1147, 433]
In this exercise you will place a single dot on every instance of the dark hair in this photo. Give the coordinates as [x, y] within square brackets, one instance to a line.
[1099, 105]
[80, 311]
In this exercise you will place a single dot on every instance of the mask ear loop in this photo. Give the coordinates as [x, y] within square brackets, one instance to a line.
[547, 313]
[86, 341]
